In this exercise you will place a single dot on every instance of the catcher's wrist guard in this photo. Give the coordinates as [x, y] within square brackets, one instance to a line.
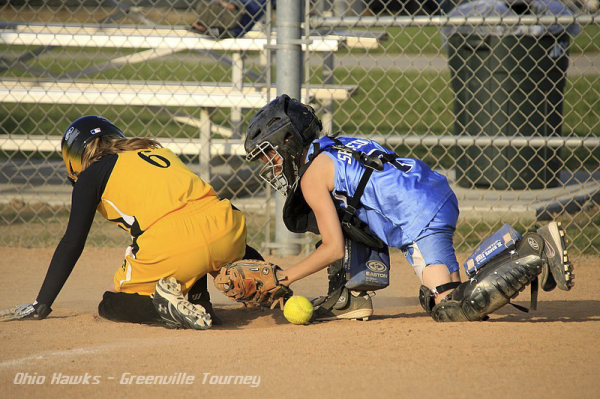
[253, 282]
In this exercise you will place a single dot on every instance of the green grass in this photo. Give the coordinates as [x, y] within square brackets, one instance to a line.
[400, 40]
[588, 41]
[395, 102]
[42, 226]
[401, 103]
[583, 231]
[54, 119]
[389, 102]
[413, 40]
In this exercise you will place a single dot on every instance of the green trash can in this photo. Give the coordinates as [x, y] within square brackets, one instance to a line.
[507, 84]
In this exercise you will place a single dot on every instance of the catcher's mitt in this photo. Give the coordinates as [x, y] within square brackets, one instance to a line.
[252, 282]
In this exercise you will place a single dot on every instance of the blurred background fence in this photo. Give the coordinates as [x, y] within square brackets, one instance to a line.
[503, 97]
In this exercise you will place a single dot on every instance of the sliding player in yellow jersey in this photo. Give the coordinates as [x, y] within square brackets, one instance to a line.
[181, 230]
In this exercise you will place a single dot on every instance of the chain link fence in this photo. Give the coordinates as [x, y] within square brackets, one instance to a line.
[501, 97]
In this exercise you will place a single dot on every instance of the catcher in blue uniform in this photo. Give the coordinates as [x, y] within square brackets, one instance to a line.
[361, 198]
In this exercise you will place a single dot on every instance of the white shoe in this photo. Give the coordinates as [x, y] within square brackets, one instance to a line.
[354, 305]
[175, 310]
[556, 256]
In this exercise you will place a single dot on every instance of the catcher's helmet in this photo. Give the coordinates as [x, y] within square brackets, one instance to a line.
[78, 135]
[281, 130]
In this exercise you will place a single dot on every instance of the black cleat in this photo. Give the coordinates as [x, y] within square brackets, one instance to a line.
[353, 305]
[556, 258]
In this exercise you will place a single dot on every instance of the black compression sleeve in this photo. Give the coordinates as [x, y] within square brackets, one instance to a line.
[86, 196]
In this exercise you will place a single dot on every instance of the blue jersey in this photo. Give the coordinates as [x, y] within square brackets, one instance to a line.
[398, 202]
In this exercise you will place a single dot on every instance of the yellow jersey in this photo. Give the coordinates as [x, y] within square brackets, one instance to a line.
[145, 185]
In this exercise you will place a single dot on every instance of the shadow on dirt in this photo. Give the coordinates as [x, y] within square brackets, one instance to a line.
[552, 311]
[548, 311]
[248, 317]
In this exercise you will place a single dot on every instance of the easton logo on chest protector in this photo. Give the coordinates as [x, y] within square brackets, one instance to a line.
[376, 266]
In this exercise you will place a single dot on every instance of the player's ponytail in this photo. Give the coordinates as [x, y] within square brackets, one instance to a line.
[107, 145]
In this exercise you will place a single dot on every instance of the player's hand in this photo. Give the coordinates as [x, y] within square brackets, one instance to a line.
[26, 311]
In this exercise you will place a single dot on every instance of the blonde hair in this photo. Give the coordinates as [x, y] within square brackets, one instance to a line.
[107, 145]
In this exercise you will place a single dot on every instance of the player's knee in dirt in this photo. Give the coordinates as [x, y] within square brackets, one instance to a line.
[131, 308]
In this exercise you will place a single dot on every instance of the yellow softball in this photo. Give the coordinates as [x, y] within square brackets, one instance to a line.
[298, 310]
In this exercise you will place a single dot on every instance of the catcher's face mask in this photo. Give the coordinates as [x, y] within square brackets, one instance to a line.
[274, 170]
[277, 134]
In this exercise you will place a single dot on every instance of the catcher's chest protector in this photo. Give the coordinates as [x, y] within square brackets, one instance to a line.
[367, 268]
[299, 217]
[397, 196]
[495, 284]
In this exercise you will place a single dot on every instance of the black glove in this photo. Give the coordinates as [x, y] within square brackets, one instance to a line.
[27, 311]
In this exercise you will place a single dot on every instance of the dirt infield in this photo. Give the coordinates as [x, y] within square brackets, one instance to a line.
[551, 353]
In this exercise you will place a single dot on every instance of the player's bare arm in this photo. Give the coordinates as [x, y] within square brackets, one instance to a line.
[317, 184]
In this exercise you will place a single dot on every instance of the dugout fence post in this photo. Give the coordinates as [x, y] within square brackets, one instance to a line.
[289, 81]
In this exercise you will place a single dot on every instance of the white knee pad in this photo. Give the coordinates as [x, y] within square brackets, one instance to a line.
[418, 262]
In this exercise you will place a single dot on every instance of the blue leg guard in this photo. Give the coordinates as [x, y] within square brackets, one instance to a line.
[495, 284]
